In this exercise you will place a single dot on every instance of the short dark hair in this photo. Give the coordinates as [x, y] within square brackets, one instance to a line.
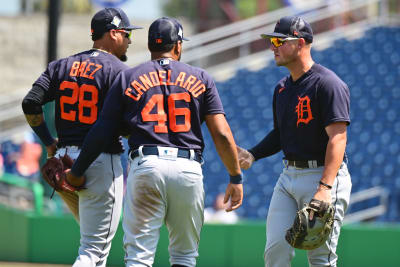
[160, 47]
[97, 36]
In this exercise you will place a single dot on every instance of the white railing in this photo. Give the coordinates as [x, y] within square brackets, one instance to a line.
[222, 33]
[202, 48]
[371, 212]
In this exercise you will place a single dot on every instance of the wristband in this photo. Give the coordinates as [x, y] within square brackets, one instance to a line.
[326, 185]
[237, 179]
[43, 132]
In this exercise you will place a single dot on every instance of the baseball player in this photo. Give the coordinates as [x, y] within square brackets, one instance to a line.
[311, 113]
[79, 84]
[164, 103]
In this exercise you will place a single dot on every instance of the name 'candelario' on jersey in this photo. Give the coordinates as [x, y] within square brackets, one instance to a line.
[162, 77]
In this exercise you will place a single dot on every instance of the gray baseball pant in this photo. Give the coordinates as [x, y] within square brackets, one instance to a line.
[100, 207]
[294, 188]
[161, 191]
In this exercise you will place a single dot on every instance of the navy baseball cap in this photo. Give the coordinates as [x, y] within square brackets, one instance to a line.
[166, 31]
[291, 26]
[111, 18]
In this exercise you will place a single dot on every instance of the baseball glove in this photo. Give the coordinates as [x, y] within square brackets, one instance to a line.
[306, 234]
[53, 171]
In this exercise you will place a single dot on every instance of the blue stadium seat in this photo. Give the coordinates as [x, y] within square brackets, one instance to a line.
[366, 170]
[263, 179]
[248, 113]
[388, 170]
[264, 102]
[364, 137]
[386, 137]
[370, 115]
[375, 92]
[362, 69]
[278, 167]
[391, 115]
[363, 103]
[396, 128]
[394, 148]
[379, 159]
[395, 58]
[356, 58]
[396, 91]
[369, 80]
[258, 168]
[383, 103]
[356, 91]
[376, 181]
[356, 127]
[351, 147]
[372, 147]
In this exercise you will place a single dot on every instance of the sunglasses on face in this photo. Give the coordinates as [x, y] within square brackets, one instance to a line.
[128, 34]
[277, 42]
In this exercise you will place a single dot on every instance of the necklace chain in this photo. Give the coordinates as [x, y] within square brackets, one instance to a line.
[101, 50]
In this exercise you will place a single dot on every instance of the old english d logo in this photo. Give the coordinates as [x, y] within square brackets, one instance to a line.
[303, 110]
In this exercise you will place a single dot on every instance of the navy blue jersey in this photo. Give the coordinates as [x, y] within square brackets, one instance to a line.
[302, 110]
[163, 102]
[79, 84]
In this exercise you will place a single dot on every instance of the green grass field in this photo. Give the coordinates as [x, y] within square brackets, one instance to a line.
[22, 264]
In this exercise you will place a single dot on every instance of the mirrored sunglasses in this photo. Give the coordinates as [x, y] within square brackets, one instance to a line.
[128, 34]
[277, 42]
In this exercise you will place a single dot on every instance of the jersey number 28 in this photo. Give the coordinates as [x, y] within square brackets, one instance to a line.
[78, 93]
[161, 118]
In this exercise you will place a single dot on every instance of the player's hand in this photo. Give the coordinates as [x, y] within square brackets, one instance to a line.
[246, 159]
[322, 194]
[52, 149]
[234, 193]
[76, 181]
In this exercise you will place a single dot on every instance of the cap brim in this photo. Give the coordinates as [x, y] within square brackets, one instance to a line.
[274, 34]
[185, 39]
[133, 27]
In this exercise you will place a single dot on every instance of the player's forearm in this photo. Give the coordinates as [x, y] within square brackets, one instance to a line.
[34, 120]
[270, 145]
[39, 126]
[334, 157]
[32, 108]
[226, 149]
[225, 144]
[95, 141]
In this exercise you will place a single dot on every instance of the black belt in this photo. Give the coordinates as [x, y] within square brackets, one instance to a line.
[304, 164]
[153, 150]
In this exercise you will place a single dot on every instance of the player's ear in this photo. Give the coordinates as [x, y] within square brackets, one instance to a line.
[178, 49]
[301, 42]
[113, 34]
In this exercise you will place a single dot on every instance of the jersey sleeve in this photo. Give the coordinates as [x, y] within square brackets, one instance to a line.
[113, 104]
[45, 81]
[274, 109]
[117, 68]
[334, 99]
[212, 101]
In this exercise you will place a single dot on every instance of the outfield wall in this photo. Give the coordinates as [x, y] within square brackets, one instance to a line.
[28, 237]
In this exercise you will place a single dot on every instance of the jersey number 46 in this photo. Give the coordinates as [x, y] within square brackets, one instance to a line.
[161, 117]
